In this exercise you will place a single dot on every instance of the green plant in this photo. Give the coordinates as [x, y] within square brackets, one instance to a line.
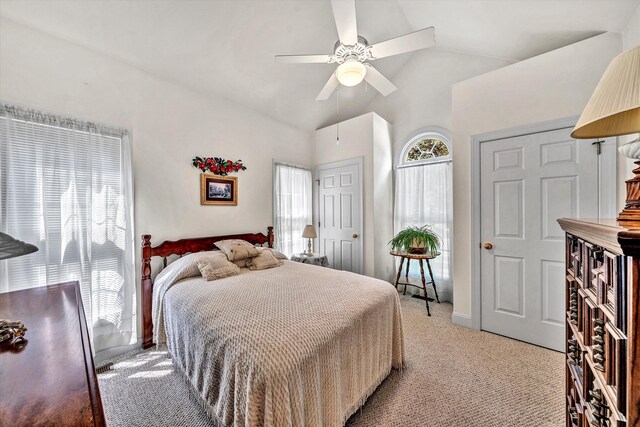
[416, 240]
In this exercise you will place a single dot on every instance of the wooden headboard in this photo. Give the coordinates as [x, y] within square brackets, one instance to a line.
[180, 247]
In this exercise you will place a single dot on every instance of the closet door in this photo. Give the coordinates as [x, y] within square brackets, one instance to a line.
[340, 215]
[527, 183]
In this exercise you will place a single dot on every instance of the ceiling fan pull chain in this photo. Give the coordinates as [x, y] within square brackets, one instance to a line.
[337, 116]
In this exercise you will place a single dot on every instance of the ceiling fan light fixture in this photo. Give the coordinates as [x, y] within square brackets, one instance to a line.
[351, 72]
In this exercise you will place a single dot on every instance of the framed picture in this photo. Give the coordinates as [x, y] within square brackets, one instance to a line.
[218, 190]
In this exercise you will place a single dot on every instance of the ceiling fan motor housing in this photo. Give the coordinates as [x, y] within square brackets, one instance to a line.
[359, 51]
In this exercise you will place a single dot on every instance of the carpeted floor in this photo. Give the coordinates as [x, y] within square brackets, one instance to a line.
[454, 377]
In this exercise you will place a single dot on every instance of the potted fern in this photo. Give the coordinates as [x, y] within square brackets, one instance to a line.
[416, 240]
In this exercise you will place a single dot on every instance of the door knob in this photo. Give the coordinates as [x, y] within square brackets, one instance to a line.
[488, 246]
[355, 235]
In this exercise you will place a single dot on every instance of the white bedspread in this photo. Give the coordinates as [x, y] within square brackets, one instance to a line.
[295, 345]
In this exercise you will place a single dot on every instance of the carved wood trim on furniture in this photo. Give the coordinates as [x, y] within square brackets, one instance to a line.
[603, 322]
[180, 247]
[52, 379]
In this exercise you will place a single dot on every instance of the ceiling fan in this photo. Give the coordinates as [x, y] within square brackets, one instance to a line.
[352, 52]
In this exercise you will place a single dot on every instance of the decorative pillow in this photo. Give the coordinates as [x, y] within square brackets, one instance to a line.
[242, 263]
[276, 254]
[187, 265]
[263, 261]
[212, 271]
[237, 249]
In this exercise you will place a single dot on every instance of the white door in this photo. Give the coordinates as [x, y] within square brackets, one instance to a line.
[340, 215]
[527, 183]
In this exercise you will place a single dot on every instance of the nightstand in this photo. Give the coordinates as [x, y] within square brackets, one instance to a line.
[314, 259]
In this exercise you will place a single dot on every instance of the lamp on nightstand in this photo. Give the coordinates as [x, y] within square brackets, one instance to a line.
[309, 233]
[614, 110]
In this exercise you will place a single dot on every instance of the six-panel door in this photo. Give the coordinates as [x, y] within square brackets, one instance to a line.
[339, 206]
[527, 183]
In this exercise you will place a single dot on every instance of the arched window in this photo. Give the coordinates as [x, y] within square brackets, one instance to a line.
[428, 146]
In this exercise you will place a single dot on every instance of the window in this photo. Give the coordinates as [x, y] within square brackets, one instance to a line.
[66, 187]
[423, 196]
[426, 147]
[291, 206]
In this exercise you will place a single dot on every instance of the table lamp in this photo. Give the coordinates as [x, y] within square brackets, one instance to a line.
[309, 233]
[614, 110]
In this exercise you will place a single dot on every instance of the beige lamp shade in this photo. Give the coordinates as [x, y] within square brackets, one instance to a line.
[309, 232]
[614, 107]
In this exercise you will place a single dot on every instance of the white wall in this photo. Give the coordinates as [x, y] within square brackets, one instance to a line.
[382, 197]
[423, 97]
[169, 125]
[630, 39]
[554, 85]
[631, 34]
[366, 136]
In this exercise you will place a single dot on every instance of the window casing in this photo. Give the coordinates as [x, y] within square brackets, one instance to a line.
[423, 196]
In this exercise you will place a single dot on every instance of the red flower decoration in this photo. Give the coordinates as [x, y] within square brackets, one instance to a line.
[218, 165]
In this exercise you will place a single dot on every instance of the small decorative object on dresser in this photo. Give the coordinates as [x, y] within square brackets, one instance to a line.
[309, 233]
[602, 322]
[218, 190]
[314, 259]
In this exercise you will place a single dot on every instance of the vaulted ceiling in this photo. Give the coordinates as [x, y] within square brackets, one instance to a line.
[226, 48]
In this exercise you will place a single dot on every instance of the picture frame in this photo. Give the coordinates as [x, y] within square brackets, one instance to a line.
[218, 190]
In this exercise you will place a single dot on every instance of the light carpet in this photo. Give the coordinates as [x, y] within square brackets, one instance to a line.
[454, 377]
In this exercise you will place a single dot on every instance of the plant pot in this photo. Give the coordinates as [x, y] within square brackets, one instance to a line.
[417, 247]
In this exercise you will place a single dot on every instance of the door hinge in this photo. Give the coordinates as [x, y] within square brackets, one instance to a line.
[598, 148]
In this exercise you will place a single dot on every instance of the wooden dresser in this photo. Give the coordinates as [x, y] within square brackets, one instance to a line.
[51, 381]
[603, 323]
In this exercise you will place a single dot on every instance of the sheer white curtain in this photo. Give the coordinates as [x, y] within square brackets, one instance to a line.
[423, 196]
[291, 207]
[67, 188]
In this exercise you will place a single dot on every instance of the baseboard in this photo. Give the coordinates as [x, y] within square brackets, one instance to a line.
[461, 319]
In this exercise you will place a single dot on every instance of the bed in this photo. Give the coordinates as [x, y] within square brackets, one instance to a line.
[296, 345]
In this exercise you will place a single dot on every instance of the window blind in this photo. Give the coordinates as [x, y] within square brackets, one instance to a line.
[66, 187]
[292, 207]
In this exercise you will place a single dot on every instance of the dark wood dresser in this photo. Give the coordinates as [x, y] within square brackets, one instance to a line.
[51, 381]
[603, 323]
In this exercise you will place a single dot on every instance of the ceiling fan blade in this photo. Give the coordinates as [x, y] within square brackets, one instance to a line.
[328, 88]
[417, 40]
[344, 13]
[378, 81]
[302, 59]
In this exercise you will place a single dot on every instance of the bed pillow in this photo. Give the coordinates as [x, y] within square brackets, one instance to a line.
[265, 260]
[187, 265]
[276, 254]
[237, 249]
[215, 270]
[242, 263]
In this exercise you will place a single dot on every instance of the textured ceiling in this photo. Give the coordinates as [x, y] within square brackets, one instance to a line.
[226, 48]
